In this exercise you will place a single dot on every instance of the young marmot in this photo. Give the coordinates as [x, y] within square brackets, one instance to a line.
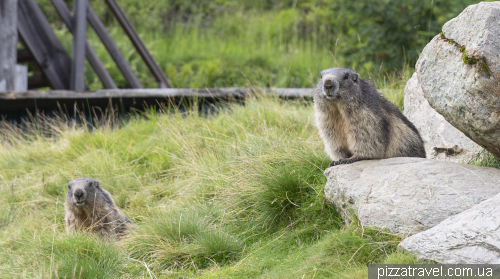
[91, 208]
[357, 123]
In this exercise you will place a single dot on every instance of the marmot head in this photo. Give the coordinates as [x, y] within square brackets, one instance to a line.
[82, 191]
[338, 83]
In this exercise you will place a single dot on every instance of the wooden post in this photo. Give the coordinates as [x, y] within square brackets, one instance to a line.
[92, 57]
[79, 38]
[8, 44]
[21, 78]
[41, 41]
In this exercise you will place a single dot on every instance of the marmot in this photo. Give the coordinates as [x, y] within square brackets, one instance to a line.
[91, 208]
[357, 123]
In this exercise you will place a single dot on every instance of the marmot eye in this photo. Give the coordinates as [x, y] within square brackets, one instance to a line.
[346, 76]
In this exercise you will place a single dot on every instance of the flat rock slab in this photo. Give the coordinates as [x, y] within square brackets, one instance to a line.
[407, 195]
[470, 237]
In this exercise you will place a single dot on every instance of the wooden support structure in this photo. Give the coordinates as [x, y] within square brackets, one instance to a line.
[102, 73]
[139, 45]
[42, 42]
[8, 44]
[56, 68]
[112, 48]
[77, 82]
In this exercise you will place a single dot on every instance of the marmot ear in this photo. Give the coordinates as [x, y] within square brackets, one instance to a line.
[355, 77]
[95, 183]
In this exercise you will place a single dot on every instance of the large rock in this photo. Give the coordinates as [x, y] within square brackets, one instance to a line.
[442, 141]
[407, 195]
[465, 90]
[471, 237]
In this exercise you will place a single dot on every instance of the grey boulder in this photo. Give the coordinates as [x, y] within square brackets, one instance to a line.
[442, 141]
[407, 195]
[459, 71]
[471, 237]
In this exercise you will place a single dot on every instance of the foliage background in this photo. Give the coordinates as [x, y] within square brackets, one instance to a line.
[281, 43]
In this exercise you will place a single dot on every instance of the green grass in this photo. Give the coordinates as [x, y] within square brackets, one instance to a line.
[240, 49]
[485, 159]
[238, 194]
[253, 58]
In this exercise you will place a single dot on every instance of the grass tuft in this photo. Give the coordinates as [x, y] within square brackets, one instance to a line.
[485, 159]
[82, 256]
[183, 239]
[289, 188]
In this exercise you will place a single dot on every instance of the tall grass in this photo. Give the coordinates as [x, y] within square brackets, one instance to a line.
[246, 48]
[238, 194]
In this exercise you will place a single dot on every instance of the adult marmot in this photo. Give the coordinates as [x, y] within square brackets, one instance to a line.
[357, 123]
[91, 208]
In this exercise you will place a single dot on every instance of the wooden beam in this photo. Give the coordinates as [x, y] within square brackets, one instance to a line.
[77, 82]
[42, 42]
[14, 105]
[139, 45]
[163, 93]
[8, 44]
[112, 48]
[94, 61]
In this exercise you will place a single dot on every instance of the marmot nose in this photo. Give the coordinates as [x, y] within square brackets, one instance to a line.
[328, 84]
[78, 194]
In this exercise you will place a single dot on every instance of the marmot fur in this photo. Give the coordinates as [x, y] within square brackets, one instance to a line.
[91, 208]
[357, 123]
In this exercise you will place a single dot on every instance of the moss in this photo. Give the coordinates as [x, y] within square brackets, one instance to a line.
[486, 68]
[467, 60]
[450, 41]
